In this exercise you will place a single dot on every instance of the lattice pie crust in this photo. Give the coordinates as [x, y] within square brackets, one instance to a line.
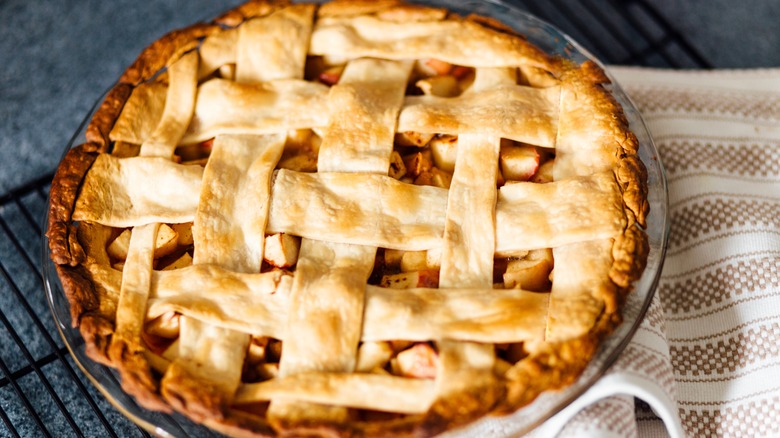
[360, 218]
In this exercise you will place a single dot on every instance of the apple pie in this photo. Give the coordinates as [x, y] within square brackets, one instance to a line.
[356, 218]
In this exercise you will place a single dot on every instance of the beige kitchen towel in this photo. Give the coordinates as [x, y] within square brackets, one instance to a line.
[718, 135]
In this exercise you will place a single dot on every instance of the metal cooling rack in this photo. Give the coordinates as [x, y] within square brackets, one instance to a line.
[42, 391]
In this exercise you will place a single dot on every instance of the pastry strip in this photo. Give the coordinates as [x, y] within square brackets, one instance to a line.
[136, 284]
[525, 114]
[468, 247]
[327, 299]
[217, 50]
[588, 143]
[326, 310]
[124, 192]
[179, 106]
[531, 215]
[227, 107]
[133, 191]
[478, 315]
[236, 186]
[360, 124]
[332, 278]
[581, 280]
[233, 207]
[274, 47]
[461, 42]
[334, 206]
[258, 304]
[252, 303]
[202, 381]
[367, 391]
[140, 114]
[470, 231]
[127, 348]
[466, 377]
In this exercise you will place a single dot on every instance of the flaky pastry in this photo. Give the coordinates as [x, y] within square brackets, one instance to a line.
[356, 218]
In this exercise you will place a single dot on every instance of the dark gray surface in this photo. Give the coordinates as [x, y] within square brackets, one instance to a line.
[731, 34]
[58, 57]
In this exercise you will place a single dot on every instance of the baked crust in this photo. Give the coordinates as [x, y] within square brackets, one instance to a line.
[549, 365]
[165, 51]
[63, 244]
[250, 9]
[102, 122]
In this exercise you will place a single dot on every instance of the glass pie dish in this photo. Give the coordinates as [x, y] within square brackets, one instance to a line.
[548, 39]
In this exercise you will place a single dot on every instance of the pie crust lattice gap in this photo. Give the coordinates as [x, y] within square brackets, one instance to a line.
[360, 217]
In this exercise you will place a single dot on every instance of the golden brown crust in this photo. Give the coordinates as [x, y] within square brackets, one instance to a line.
[96, 331]
[553, 367]
[165, 51]
[137, 378]
[79, 290]
[549, 365]
[345, 8]
[630, 255]
[103, 120]
[494, 24]
[462, 408]
[241, 424]
[65, 249]
[191, 396]
[632, 176]
[250, 9]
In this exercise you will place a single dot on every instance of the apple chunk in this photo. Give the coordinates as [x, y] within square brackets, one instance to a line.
[418, 163]
[372, 355]
[408, 280]
[412, 138]
[420, 361]
[397, 168]
[281, 250]
[442, 86]
[445, 150]
[518, 163]
[181, 262]
[545, 173]
[184, 232]
[166, 243]
[530, 273]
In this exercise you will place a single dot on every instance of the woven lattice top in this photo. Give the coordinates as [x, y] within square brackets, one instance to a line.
[347, 217]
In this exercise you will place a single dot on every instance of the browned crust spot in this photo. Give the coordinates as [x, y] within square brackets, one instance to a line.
[136, 373]
[346, 8]
[97, 331]
[632, 177]
[241, 424]
[193, 397]
[462, 408]
[165, 51]
[64, 246]
[494, 24]
[250, 9]
[79, 290]
[104, 118]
